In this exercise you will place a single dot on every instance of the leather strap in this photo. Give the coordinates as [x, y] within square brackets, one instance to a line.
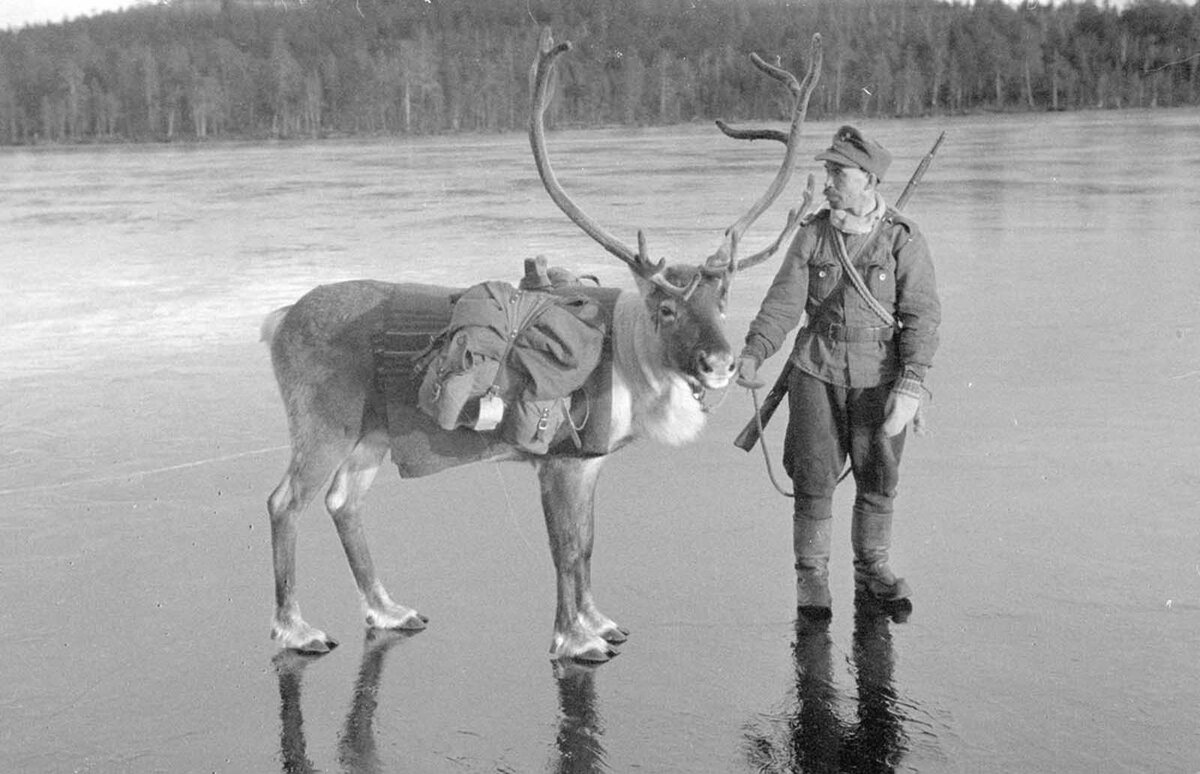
[856, 279]
[839, 332]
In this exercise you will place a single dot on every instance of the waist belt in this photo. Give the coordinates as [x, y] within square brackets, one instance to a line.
[839, 332]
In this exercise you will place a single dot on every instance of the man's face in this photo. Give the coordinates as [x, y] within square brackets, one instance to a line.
[848, 188]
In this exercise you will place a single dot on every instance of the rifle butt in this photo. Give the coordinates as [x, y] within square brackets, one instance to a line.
[749, 436]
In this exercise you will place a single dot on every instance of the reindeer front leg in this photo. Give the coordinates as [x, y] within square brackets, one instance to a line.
[592, 617]
[568, 488]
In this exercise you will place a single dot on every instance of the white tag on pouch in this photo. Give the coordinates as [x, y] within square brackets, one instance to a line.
[491, 411]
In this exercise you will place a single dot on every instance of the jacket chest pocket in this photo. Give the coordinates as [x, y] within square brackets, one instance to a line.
[881, 281]
[880, 276]
[822, 279]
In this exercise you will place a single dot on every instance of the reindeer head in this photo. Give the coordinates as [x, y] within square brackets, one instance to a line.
[686, 303]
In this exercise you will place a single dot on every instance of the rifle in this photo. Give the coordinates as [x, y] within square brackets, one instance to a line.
[750, 433]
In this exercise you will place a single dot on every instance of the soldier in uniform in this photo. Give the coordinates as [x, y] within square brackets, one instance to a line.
[858, 365]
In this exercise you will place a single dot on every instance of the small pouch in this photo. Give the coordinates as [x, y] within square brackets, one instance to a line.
[533, 424]
[454, 382]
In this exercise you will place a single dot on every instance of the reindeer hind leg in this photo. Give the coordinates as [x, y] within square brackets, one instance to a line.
[310, 467]
[344, 500]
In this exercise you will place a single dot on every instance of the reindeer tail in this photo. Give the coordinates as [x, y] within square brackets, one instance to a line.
[271, 324]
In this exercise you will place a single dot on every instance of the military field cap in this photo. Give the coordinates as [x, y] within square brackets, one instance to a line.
[851, 148]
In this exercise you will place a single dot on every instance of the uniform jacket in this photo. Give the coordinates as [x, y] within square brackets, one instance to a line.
[844, 342]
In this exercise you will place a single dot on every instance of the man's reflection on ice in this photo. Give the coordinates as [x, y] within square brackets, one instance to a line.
[812, 736]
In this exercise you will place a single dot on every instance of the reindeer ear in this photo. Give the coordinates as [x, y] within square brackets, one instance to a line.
[649, 291]
[726, 291]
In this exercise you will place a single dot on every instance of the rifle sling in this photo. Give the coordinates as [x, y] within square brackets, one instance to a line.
[856, 280]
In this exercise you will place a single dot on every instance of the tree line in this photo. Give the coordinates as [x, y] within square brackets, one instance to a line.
[196, 69]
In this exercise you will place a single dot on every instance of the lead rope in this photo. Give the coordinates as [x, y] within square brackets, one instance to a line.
[762, 442]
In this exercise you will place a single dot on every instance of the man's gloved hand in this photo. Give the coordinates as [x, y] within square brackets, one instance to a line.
[747, 373]
[900, 410]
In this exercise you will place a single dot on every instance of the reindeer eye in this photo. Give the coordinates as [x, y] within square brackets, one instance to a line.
[666, 311]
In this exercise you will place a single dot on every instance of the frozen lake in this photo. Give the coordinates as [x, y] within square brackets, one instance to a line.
[1048, 526]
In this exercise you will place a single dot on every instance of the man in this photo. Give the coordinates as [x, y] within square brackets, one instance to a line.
[859, 364]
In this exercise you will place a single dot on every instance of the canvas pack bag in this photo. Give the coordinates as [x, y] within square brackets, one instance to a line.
[509, 360]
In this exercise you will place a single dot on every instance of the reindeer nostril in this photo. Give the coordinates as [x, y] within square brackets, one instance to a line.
[707, 364]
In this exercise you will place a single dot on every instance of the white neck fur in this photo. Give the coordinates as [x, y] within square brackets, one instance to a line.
[649, 399]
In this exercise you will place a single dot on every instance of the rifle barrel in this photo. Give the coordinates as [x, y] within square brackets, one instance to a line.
[919, 173]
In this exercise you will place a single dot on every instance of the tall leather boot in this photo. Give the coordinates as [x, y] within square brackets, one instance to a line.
[871, 537]
[811, 539]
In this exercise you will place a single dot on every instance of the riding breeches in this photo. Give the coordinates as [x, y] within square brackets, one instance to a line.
[827, 424]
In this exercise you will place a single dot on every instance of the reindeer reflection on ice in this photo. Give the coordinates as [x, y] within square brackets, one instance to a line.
[578, 743]
[357, 751]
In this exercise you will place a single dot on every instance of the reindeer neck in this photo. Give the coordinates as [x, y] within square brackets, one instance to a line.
[650, 398]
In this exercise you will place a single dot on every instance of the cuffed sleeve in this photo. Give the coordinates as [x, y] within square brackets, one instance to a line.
[753, 353]
[910, 386]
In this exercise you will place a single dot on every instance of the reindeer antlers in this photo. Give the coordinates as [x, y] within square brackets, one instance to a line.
[795, 219]
[640, 262]
[724, 258]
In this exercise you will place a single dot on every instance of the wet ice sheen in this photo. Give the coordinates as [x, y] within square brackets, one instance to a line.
[1047, 526]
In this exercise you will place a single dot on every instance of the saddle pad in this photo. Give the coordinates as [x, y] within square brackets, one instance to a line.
[411, 323]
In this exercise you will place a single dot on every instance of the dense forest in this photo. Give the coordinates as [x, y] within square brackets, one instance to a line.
[196, 69]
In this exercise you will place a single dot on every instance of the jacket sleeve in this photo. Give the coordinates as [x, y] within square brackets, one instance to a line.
[783, 306]
[917, 305]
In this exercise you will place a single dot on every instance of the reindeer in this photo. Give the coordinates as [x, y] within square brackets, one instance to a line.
[668, 348]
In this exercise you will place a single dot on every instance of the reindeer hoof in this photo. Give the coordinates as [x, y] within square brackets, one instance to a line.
[596, 655]
[615, 635]
[412, 621]
[303, 639]
[317, 645]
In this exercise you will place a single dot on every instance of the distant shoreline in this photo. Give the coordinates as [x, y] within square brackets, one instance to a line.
[188, 141]
[190, 70]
